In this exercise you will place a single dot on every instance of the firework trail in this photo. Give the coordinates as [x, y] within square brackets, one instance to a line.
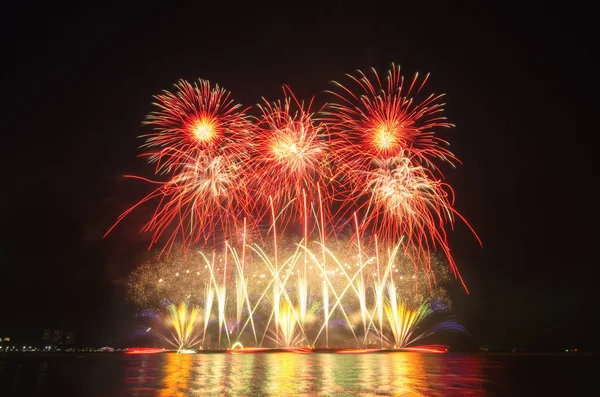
[289, 156]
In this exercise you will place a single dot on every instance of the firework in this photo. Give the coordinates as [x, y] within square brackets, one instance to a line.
[198, 141]
[384, 120]
[205, 195]
[289, 157]
[385, 138]
[194, 120]
[180, 325]
[406, 323]
[405, 199]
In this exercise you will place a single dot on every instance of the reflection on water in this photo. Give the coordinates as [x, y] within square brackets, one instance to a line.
[177, 369]
[289, 374]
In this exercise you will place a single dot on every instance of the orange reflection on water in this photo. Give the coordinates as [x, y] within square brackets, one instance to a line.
[323, 374]
[407, 374]
[177, 375]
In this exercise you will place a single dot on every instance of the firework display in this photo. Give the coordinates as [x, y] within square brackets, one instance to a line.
[293, 225]
[241, 300]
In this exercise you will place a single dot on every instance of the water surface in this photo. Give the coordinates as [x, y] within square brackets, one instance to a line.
[288, 374]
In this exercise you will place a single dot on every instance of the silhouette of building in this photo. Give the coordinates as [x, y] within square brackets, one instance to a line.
[69, 338]
[57, 336]
[47, 334]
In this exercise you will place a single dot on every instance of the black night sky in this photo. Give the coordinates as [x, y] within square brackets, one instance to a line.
[516, 82]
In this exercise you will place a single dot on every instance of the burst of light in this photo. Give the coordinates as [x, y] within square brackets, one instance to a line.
[376, 118]
[289, 152]
[194, 119]
[204, 129]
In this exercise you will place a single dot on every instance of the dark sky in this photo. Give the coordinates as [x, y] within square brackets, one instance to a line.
[517, 82]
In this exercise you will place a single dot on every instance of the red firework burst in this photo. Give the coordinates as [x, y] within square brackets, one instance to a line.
[407, 200]
[289, 155]
[196, 119]
[382, 121]
[198, 141]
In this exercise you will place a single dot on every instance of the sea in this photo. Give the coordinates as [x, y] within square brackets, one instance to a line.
[292, 374]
